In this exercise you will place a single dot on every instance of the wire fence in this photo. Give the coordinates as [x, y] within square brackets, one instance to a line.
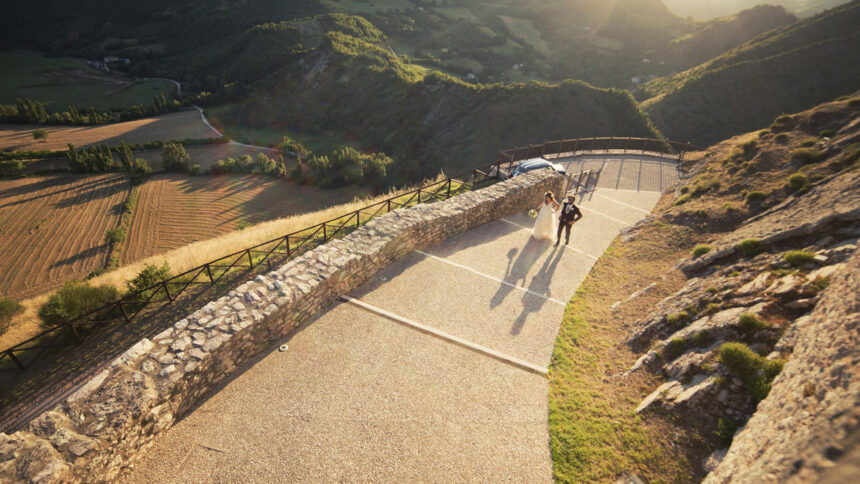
[99, 335]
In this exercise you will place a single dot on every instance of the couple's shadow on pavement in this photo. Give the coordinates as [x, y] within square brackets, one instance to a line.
[520, 263]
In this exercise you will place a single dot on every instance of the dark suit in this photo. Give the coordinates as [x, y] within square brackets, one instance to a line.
[568, 214]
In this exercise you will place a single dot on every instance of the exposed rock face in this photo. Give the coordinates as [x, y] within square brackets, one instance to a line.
[811, 416]
[101, 428]
[804, 314]
[834, 203]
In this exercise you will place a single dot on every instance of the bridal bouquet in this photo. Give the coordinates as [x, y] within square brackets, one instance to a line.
[533, 213]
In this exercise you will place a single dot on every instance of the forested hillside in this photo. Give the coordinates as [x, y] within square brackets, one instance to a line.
[425, 119]
[786, 70]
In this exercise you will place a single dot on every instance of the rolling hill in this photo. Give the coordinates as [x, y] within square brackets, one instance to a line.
[785, 70]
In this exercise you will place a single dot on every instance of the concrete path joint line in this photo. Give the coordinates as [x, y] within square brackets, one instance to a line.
[523, 365]
[501, 281]
[566, 246]
[584, 209]
[623, 204]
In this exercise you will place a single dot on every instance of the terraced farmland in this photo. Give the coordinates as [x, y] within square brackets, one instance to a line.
[184, 124]
[175, 210]
[52, 229]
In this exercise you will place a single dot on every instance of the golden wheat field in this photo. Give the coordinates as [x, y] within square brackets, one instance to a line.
[175, 210]
[184, 124]
[52, 229]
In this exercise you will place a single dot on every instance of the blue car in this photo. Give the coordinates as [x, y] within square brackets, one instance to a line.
[536, 164]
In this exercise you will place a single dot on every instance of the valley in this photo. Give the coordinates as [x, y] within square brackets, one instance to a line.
[207, 128]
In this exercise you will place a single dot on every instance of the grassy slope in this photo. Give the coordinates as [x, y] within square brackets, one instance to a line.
[594, 434]
[806, 63]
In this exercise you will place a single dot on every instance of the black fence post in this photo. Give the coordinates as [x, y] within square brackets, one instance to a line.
[166, 291]
[15, 360]
[250, 259]
[124, 312]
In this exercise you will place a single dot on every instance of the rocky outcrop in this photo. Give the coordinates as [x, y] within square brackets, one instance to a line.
[832, 205]
[101, 428]
[810, 418]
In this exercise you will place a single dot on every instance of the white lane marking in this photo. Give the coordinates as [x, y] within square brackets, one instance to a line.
[522, 364]
[604, 215]
[566, 246]
[624, 204]
[501, 281]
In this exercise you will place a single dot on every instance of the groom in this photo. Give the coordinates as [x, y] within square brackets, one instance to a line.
[568, 214]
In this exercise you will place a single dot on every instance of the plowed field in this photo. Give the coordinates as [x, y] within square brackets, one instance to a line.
[184, 124]
[175, 210]
[52, 229]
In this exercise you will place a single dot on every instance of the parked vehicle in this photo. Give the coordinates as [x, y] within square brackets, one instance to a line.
[537, 164]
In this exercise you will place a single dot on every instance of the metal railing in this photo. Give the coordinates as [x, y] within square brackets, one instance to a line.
[126, 313]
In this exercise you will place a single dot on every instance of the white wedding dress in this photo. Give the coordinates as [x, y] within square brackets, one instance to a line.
[545, 223]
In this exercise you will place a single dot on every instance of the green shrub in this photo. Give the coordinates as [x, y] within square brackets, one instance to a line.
[808, 143]
[149, 276]
[749, 147]
[827, 133]
[726, 429]
[682, 199]
[675, 348]
[712, 308]
[781, 138]
[139, 168]
[701, 339]
[11, 168]
[749, 322]
[701, 249]
[8, 309]
[684, 189]
[289, 146]
[755, 196]
[797, 181]
[763, 133]
[756, 372]
[174, 157]
[806, 155]
[678, 318]
[819, 284]
[751, 247]
[781, 123]
[74, 299]
[40, 134]
[797, 258]
[705, 186]
[115, 235]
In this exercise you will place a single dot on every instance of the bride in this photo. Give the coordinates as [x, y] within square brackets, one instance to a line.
[545, 222]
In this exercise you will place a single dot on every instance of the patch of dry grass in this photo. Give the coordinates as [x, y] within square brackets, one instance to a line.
[594, 433]
[181, 125]
[27, 324]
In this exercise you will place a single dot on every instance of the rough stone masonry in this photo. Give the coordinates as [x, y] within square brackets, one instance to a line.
[105, 424]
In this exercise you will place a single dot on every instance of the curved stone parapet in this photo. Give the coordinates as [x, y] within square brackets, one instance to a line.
[101, 428]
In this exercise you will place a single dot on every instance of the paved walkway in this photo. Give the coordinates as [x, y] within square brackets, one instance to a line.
[431, 391]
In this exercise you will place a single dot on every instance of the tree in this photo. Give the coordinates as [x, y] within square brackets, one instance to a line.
[74, 299]
[174, 157]
[8, 309]
[40, 135]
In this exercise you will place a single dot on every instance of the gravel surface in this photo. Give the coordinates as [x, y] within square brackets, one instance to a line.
[358, 397]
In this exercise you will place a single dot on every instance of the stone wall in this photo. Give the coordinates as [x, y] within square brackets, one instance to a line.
[102, 427]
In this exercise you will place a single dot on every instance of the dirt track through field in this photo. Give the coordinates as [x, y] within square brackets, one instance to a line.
[184, 124]
[174, 210]
[52, 229]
